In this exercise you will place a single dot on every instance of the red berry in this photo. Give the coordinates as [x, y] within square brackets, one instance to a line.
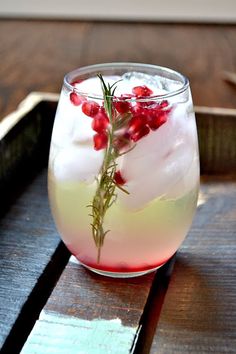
[157, 120]
[73, 83]
[136, 123]
[75, 99]
[140, 134]
[164, 104]
[90, 108]
[138, 110]
[102, 113]
[100, 141]
[122, 106]
[126, 96]
[146, 104]
[118, 178]
[100, 122]
[142, 91]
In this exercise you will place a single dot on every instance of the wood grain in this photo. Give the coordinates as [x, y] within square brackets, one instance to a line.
[217, 140]
[35, 55]
[31, 255]
[199, 311]
[88, 313]
[28, 246]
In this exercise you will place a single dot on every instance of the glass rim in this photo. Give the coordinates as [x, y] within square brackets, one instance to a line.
[94, 68]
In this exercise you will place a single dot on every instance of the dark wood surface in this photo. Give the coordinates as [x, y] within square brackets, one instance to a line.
[35, 55]
[199, 311]
[217, 140]
[29, 263]
[31, 254]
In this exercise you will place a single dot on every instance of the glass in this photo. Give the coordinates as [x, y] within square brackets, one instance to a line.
[123, 167]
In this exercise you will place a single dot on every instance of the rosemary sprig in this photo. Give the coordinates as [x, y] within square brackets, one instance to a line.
[106, 195]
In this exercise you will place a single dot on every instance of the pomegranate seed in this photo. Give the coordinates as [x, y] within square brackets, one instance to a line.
[100, 141]
[75, 99]
[102, 113]
[73, 83]
[158, 120]
[100, 122]
[164, 104]
[136, 123]
[142, 91]
[145, 104]
[140, 134]
[122, 106]
[90, 108]
[138, 110]
[118, 178]
[127, 96]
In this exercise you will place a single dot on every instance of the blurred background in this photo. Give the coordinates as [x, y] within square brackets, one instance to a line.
[40, 41]
[149, 10]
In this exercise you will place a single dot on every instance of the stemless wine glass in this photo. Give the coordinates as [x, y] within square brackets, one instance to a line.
[123, 166]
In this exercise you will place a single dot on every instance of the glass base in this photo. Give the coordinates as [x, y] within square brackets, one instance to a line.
[121, 274]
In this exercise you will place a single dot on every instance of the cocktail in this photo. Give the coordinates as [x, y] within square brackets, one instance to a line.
[123, 167]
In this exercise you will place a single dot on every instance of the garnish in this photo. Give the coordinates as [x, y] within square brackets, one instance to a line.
[142, 91]
[105, 195]
[75, 99]
[90, 108]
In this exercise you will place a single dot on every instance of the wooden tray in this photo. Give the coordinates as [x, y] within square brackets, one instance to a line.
[90, 314]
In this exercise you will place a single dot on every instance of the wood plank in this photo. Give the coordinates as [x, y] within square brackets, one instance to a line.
[31, 254]
[217, 140]
[29, 245]
[199, 311]
[67, 45]
[88, 313]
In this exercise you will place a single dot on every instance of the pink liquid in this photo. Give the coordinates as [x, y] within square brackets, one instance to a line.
[138, 241]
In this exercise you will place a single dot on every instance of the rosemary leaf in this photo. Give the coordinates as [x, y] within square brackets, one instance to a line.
[106, 195]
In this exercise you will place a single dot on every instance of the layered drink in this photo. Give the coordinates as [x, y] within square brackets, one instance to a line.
[123, 166]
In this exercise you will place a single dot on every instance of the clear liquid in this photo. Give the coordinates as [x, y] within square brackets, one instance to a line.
[137, 241]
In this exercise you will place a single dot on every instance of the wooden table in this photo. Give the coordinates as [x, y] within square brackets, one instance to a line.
[35, 55]
[190, 308]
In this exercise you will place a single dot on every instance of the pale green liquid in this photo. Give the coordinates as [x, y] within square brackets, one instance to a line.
[136, 240]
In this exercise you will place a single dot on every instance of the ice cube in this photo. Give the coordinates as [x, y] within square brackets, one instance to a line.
[82, 131]
[159, 161]
[189, 181]
[93, 88]
[157, 179]
[77, 163]
[155, 146]
[139, 78]
[64, 120]
[71, 124]
[157, 83]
